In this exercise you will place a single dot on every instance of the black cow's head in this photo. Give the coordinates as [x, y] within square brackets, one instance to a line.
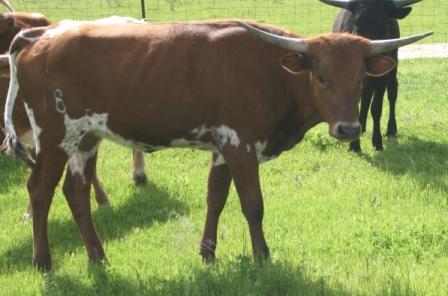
[371, 18]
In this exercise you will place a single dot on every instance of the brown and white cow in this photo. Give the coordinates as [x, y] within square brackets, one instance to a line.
[10, 25]
[210, 85]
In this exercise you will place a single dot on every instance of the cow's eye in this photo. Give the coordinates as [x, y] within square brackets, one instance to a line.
[322, 81]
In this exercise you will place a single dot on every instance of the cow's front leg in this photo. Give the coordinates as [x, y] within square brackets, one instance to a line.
[243, 166]
[44, 177]
[219, 180]
[77, 190]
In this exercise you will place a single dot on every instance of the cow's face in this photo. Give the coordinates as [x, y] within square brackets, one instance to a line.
[336, 68]
[371, 18]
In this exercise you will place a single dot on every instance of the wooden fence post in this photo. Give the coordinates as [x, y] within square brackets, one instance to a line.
[143, 9]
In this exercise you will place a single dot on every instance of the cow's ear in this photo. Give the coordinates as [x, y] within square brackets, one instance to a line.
[379, 65]
[400, 13]
[295, 63]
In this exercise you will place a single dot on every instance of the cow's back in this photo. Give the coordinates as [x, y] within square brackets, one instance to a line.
[197, 74]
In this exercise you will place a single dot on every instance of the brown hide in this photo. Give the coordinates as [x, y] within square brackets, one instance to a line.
[158, 83]
[213, 74]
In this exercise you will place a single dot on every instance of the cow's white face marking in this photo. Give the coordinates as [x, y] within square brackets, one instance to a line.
[35, 128]
[78, 160]
[248, 148]
[224, 135]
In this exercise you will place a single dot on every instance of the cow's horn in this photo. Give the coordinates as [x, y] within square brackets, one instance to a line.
[380, 46]
[296, 44]
[340, 3]
[7, 5]
[403, 3]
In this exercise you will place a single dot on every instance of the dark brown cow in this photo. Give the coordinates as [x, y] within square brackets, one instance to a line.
[211, 85]
[10, 25]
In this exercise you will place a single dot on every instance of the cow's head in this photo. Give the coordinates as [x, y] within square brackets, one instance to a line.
[371, 17]
[336, 64]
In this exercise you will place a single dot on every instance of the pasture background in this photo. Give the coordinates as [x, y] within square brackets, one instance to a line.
[337, 223]
[306, 17]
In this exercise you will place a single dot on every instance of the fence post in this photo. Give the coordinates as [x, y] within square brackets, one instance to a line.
[143, 9]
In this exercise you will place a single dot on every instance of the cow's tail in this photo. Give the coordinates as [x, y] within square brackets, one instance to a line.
[11, 144]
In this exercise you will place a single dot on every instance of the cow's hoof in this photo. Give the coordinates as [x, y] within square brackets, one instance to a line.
[102, 199]
[43, 265]
[355, 147]
[379, 147]
[140, 180]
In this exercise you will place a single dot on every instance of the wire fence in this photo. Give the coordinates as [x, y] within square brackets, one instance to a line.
[305, 17]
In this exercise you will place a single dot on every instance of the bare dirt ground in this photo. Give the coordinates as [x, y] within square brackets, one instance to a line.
[415, 51]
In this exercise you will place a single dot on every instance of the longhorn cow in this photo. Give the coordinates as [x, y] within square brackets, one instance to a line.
[244, 92]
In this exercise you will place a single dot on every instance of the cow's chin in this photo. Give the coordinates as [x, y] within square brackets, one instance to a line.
[346, 131]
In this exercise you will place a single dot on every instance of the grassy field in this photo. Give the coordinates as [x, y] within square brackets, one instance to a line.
[306, 17]
[337, 223]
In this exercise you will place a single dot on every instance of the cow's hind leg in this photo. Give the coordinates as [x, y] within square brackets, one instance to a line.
[392, 93]
[44, 177]
[376, 110]
[366, 99]
[219, 180]
[76, 189]
[243, 168]
[139, 174]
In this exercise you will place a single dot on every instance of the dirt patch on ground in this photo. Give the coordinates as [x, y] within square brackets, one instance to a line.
[415, 51]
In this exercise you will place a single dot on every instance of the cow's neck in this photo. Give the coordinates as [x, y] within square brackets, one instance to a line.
[300, 117]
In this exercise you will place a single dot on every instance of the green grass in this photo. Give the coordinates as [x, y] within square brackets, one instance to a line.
[337, 223]
[305, 17]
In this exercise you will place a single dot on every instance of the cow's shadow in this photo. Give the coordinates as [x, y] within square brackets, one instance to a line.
[12, 172]
[424, 161]
[232, 278]
[144, 207]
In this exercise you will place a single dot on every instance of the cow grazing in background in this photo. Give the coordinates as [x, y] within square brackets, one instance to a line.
[10, 25]
[375, 20]
[227, 91]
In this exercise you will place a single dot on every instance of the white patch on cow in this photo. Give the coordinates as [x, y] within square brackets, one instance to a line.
[27, 139]
[219, 160]
[78, 160]
[224, 135]
[35, 128]
[248, 148]
[200, 131]
[259, 148]
[77, 128]
[9, 106]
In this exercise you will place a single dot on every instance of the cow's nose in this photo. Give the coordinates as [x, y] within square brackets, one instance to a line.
[348, 131]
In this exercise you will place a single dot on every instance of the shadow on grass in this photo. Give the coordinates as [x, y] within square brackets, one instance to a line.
[142, 209]
[242, 277]
[12, 172]
[424, 161]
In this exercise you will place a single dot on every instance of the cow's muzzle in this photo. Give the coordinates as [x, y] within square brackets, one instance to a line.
[346, 131]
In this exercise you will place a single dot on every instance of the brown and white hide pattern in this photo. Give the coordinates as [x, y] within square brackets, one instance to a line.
[212, 86]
